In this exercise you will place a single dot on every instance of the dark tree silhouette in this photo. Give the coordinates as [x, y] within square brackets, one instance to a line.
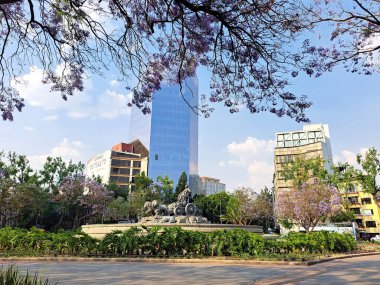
[246, 45]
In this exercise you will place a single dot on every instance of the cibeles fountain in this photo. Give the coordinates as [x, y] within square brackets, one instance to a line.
[181, 213]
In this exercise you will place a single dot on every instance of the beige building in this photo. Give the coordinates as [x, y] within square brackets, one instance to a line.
[208, 186]
[310, 142]
[120, 164]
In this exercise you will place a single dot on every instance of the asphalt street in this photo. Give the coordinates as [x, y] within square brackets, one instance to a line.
[358, 270]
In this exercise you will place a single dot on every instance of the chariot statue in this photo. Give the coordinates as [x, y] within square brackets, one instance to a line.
[180, 210]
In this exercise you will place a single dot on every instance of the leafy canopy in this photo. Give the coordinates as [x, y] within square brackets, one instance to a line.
[244, 44]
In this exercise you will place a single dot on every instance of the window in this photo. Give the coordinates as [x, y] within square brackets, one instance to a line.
[366, 201]
[135, 171]
[356, 211]
[353, 200]
[137, 164]
[117, 162]
[120, 154]
[359, 222]
[124, 171]
[368, 212]
[156, 157]
[119, 179]
[370, 224]
[351, 189]
[113, 179]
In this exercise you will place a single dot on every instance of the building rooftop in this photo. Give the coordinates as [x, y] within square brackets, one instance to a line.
[308, 135]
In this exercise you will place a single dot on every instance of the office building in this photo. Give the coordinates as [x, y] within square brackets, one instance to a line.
[171, 131]
[310, 142]
[209, 186]
[120, 164]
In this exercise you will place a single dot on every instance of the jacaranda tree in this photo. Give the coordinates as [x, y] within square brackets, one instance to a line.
[244, 44]
[251, 47]
[81, 199]
[353, 34]
[308, 205]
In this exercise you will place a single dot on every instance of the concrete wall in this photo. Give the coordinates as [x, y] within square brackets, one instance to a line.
[100, 230]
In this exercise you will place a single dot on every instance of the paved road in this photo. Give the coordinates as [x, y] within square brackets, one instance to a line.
[359, 270]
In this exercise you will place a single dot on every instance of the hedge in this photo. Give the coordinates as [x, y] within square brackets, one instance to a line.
[170, 241]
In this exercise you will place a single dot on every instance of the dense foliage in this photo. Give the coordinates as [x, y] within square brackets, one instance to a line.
[12, 276]
[251, 48]
[182, 183]
[241, 208]
[58, 196]
[244, 45]
[308, 205]
[212, 206]
[170, 241]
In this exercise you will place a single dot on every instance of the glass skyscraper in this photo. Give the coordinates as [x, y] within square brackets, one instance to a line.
[170, 132]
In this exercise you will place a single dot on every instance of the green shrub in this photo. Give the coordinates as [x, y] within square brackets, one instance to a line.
[12, 276]
[171, 241]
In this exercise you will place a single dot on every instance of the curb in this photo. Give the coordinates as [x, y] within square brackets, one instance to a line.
[183, 261]
[153, 260]
[328, 259]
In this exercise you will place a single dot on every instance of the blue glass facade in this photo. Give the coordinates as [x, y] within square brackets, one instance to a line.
[173, 129]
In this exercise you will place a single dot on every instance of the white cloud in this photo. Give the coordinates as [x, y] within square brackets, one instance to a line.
[114, 83]
[66, 149]
[78, 115]
[37, 94]
[108, 104]
[256, 157]
[372, 43]
[112, 104]
[51, 118]
[29, 129]
[349, 156]
[261, 174]
[100, 12]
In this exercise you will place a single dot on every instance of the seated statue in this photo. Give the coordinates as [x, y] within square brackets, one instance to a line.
[184, 196]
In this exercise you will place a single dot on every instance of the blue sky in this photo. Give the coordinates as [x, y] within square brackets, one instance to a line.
[237, 148]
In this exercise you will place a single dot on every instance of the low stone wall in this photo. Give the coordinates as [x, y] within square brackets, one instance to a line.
[100, 230]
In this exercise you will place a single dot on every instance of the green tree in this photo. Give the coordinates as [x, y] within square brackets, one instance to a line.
[143, 191]
[213, 206]
[164, 187]
[344, 177]
[263, 205]
[17, 168]
[142, 182]
[55, 170]
[301, 169]
[117, 190]
[117, 209]
[345, 215]
[20, 203]
[136, 200]
[240, 207]
[370, 164]
[181, 185]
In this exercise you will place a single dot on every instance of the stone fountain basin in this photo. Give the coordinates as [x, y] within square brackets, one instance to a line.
[100, 230]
